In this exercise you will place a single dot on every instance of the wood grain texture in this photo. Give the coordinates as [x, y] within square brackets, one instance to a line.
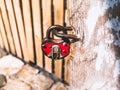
[68, 58]
[37, 31]
[1, 41]
[26, 23]
[7, 26]
[46, 6]
[58, 19]
[13, 27]
[28, 28]
[21, 29]
[3, 34]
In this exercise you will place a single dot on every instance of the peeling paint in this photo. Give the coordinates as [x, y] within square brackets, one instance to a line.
[117, 68]
[97, 85]
[117, 43]
[98, 39]
[98, 9]
[113, 23]
[111, 3]
[109, 39]
[100, 32]
[94, 13]
[103, 53]
[78, 29]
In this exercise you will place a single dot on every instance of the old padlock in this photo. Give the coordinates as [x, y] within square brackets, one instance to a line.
[57, 48]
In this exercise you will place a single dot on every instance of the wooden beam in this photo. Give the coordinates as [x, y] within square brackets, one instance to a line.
[37, 31]
[13, 27]
[3, 33]
[28, 28]
[46, 6]
[58, 19]
[1, 40]
[21, 29]
[7, 26]
[68, 58]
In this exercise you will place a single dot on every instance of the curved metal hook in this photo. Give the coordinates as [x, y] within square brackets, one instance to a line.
[69, 36]
[57, 28]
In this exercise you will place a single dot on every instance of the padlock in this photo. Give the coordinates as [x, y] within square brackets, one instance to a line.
[58, 48]
[55, 48]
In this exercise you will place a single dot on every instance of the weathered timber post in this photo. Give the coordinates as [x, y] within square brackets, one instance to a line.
[96, 58]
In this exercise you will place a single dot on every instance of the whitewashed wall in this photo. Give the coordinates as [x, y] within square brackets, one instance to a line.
[96, 58]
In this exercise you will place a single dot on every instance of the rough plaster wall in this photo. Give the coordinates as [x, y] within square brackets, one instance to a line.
[96, 59]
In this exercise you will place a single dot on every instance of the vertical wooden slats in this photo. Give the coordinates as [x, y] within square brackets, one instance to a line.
[3, 34]
[13, 27]
[46, 5]
[1, 40]
[58, 11]
[68, 58]
[58, 19]
[26, 23]
[28, 28]
[20, 28]
[67, 69]
[37, 30]
[7, 26]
